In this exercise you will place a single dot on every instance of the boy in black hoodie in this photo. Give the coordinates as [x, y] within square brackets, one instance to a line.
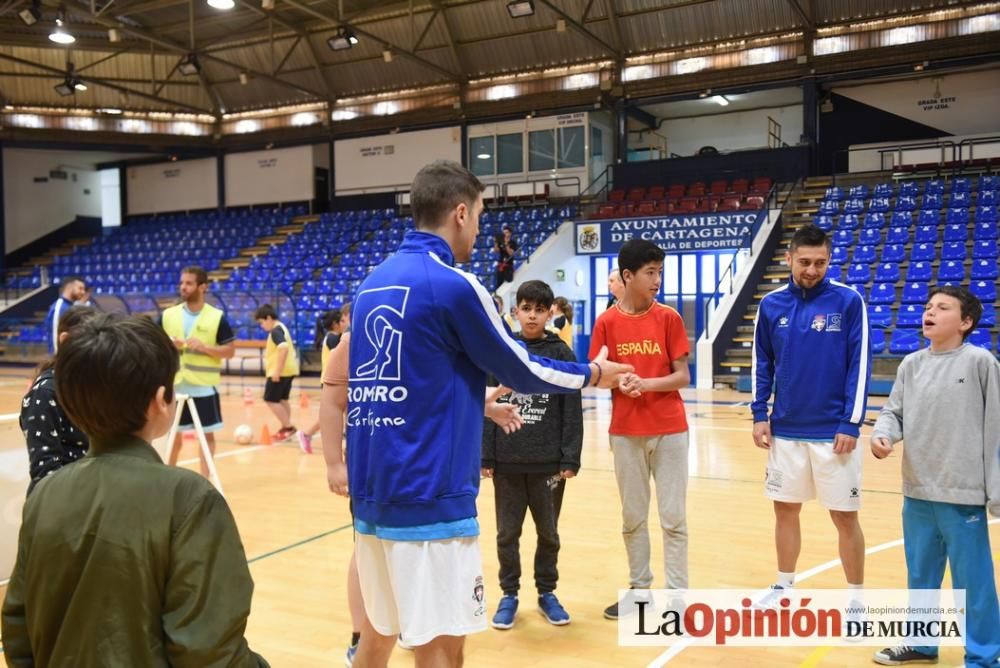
[530, 467]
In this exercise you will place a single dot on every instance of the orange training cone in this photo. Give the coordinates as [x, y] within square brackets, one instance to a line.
[265, 436]
[304, 401]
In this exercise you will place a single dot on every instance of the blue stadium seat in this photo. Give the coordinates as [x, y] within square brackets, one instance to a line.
[951, 271]
[953, 250]
[962, 199]
[934, 186]
[908, 189]
[893, 253]
[882, 293]
[984, 270]
[982, 338]
[985, 250]
[883, 190]
[910, 315]
[878, 341]
[839, 255]
[989, 198]
[834, 194]
[875, 220]
[932, 201]
[863, 254]
[957, 216]
[904, 342]
[858, 192]
[859, 273]
[878, 205]
[922, 253]
[929, 217]
[843, 238]
[887, 272]
[915, 293]
[956, 232]
[880, 315]
[854, 206]
[901, 219]
[985, 230]
[918, 271]
[870, 237]
[897, 235]
[849, 221]
[824, 223]
[989, 182]
[961, 184]
[829, 208]
[986, 213]
[906, 204]
[925, 234]
[989, 318]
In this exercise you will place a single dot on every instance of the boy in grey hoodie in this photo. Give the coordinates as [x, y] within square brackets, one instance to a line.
[530, 467]
[945, 403]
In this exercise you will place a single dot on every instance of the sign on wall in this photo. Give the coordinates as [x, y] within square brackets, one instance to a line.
[689, 232]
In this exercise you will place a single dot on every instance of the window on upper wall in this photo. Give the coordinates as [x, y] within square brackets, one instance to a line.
[481, 156]
[596, 142]
[510, 153]
[541, 150]
[572, 148]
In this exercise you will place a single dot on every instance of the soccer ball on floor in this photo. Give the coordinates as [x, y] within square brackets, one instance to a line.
[243, 434]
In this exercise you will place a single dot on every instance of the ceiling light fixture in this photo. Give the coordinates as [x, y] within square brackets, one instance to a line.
[520, 8]
[221, 4]
[720, 100]
[344, 39]
[387, 55]
[189, 65]
[59, 35]
[31, 15]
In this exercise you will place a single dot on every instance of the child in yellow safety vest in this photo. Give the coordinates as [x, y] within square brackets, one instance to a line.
[281, 362]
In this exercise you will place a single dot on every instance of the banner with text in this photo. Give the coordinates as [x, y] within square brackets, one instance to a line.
[686, 232]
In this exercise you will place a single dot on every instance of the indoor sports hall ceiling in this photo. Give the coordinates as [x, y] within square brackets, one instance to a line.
[269, 53]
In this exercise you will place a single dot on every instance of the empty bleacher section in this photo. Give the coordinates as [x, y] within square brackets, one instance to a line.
[893, 242]
[677, 198]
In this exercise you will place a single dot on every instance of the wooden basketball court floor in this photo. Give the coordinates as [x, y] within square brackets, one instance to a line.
[298, 541]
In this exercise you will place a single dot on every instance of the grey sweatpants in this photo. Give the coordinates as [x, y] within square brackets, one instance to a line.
[665, 458]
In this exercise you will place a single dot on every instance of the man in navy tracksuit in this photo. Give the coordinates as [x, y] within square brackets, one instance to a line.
[811, 346]
[73, 289]
[425, 336]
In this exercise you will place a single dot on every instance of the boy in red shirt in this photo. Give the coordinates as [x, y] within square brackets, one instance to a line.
[649, 432]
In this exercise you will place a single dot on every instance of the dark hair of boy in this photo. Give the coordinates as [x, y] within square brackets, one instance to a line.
[200, 275]
[810, 235]
[537, 293]
[440, 187]
[72, 279]
[109, 371]
[566, 307]
[636, 254]
[265, 311]
[73, 318]
[972, 308]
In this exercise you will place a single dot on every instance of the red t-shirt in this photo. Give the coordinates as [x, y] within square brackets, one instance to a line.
[649, 341]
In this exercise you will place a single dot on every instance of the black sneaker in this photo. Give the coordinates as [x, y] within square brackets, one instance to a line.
[612, 612]
[897, 656]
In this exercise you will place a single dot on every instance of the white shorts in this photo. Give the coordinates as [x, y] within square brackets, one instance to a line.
[422, 589]
[799, 471]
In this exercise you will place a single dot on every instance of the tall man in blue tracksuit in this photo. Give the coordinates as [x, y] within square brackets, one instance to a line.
[425, 336]
[73, 290]
[812, 348]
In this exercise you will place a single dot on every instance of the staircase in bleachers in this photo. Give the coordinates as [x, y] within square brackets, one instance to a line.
[892, 243]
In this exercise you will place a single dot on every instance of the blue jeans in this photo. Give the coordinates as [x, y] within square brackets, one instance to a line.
[935, 532]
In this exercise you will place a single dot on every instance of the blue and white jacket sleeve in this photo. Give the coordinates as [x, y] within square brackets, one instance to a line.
[486, 339]
[762, 371]
[859, 368]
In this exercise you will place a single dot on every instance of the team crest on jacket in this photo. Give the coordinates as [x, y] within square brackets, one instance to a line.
[819, 322]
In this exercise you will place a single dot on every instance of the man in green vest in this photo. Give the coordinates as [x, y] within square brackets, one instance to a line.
[204, 338]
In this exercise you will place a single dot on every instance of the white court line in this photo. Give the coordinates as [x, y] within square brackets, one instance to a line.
[9, 416]
[231, 453]
[672, 653]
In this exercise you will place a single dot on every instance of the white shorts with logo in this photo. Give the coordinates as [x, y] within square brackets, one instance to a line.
[799, 471]
[422, 589]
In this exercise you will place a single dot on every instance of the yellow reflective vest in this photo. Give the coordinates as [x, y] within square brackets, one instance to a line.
[271, 355]
[196, 368]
